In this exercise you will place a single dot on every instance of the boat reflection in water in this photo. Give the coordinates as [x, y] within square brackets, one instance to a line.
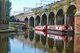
[58, 36]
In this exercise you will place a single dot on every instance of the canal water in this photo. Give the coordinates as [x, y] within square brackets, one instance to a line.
[28, 41]
[16, 43]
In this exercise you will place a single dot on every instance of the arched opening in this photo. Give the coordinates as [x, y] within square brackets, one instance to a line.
[44, 19]
[37, 20]
[26, 20]
[26, 24]
[60, 17]
[51, 19]
[31, 22]
[18, 20]
[70, 15]
[70, 21]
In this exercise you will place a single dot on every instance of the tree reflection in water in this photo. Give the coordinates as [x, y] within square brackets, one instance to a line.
[4, 43]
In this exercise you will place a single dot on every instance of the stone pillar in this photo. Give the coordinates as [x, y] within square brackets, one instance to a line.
[77, 28]
[55, 20]
[65, 18]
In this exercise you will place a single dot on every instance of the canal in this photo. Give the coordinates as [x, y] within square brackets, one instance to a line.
[27, 41]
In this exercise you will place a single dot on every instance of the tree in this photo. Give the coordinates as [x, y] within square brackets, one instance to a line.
[8, 9]
[11, 19]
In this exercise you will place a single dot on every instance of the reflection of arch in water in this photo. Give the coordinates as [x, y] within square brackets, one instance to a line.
[51, 42]
[51, 18]
[59, 46]
[37, 37]
[31, 35]
[31, 22]
[26, 34]
[43, 39]
[26, 23]
[37, 20]
[60, 17]
[70, 15]
[44, 19]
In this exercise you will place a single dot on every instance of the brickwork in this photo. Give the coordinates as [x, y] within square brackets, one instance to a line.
[77, 22]
[77, 29]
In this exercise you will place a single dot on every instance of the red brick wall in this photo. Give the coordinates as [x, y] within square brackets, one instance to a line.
[77, 23]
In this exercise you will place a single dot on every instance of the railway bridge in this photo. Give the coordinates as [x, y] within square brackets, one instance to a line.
[64, 12]
[58, 13]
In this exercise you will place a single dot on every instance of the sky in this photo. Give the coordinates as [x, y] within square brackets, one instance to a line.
[18, 5]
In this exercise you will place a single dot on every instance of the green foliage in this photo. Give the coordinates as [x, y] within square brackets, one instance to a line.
[68, 2]
[38, 11]
[8, 7]
[11, 19]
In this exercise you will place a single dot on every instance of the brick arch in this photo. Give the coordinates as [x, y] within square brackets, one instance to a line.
[70, 15]
[31, 21]
[51, 18]
[60, 17]
[26, 20]
[4, 21]
[37, 20]
[44, 19]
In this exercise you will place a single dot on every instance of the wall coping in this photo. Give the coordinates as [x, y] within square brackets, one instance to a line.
[77, 13]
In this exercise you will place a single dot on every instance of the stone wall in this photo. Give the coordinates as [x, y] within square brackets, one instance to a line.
[3, 26]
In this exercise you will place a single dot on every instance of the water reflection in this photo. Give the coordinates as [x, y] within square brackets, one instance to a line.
[16, 43]
[4, 43]
[19, 47]
[30, 42]
[31, 34]
[37, 38]
[26, 34]
[55, 43]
